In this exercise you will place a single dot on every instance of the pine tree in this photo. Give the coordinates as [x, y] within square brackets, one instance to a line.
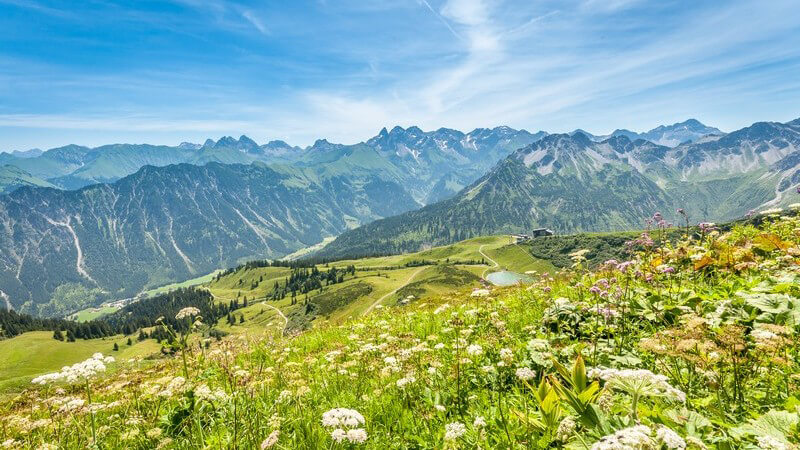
[130, 342]
[58, 335]
[116, 347]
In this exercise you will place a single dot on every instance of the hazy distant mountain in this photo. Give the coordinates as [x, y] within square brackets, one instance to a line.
[63, 249]
[32, 153]
[668, 135]
[573, 183]
[676, 134]
[12, 177]
[433, 165]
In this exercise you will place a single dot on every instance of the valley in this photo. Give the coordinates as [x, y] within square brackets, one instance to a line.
[377, 283]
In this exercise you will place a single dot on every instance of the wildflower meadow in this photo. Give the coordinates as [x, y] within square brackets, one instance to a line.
[689, 343]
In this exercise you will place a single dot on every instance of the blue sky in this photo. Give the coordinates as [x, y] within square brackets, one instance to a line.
[105, 71]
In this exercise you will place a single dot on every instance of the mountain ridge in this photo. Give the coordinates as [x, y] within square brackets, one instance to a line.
[570, 182]
[164, 224]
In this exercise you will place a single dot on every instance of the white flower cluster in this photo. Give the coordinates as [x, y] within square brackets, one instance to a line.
[189, 311]
[474, 350]
[565, 429]
[453, 431]
[632, 438]
[405, 381]
[77, 372]
[525, 373]
[768, 442]
[669, 438]
[638, 381]
[205, 393]
[641, 437]
[345, 423]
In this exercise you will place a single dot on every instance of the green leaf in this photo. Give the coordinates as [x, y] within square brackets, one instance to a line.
[774, 423]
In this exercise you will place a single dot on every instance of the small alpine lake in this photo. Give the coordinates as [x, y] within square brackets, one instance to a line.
[507, 278]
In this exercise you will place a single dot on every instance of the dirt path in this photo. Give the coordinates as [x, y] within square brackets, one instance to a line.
[264, 302]
[480, 250]
[378, 301]
[280, 313]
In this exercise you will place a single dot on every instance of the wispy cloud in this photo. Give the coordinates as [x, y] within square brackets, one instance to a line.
[342, 70]
[441, 19]
[251, 17]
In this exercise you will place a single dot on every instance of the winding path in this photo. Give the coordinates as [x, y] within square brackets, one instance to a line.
[480, 250]
[280, 313]
[378, 301]
[264, 302]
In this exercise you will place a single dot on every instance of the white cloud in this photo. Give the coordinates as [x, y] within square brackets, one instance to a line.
[466, 12]
[523, 65]
[254, 20]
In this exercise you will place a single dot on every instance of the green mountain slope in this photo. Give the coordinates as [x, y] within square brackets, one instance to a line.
[12, 177]
[572, 183]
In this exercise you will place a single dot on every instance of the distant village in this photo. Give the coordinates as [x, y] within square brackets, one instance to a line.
[538, 232]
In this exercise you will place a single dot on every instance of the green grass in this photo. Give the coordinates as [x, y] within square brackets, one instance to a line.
[378, 281]
[308, 250]
[93, 313]
[188, 283]
[516, 258]
[31, 354]
[239, 283]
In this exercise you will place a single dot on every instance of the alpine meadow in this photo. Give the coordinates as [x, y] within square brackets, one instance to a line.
[414, 242]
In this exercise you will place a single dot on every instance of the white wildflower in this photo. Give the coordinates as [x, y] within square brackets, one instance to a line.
[767, 442]
[641, 382]
[271, 440]
[669, 438]
[636, 437]
[474, 350]
[338, 435]
[453, 431]
[403, 382]
[342, 417]
[441, 309]
[189, 311]
[357, 436]
[525, 373]
[77, 372]
[479, 422]
[204, 392]
[565, 429]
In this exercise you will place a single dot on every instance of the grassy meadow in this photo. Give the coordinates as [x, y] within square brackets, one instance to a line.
[378, 281]
[686, 344]
[35, 353]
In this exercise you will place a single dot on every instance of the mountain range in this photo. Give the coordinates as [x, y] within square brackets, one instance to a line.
[572, 182]
[444, 160]
[434, 164]
[79, 225]
[162, 224]
[668, 135]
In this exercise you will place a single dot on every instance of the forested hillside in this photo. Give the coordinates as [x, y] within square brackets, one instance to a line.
[64, 250]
